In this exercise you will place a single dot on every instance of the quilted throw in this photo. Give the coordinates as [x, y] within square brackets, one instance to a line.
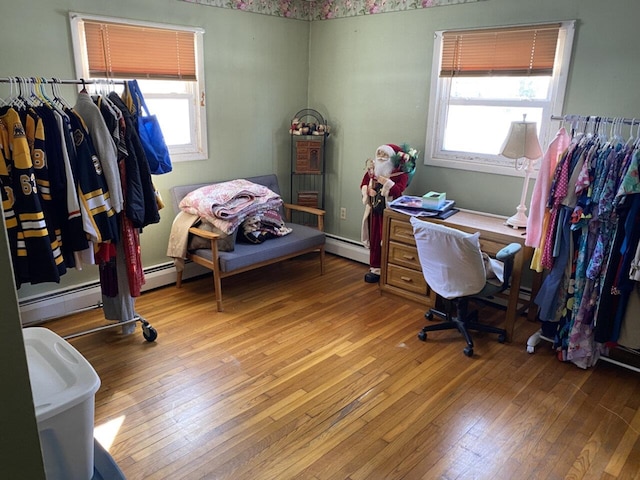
[227, 204]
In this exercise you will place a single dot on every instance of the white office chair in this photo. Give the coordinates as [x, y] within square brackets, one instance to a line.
[456, 269]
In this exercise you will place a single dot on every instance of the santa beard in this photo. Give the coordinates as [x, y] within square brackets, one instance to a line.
[383, 167]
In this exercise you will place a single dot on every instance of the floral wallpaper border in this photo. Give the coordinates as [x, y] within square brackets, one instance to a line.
[325, 9]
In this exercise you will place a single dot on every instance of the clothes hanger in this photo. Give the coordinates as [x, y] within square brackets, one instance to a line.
[618, 131]
[13, 92]
[4, 101]
[18, 101]
[32, 97]
[631, 138]
[40, 83]
[636, 143]
[58, 99]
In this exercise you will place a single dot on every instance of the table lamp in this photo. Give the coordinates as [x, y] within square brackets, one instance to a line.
[522, 145]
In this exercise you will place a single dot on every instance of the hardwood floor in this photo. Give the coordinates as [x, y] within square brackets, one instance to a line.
[319, 377]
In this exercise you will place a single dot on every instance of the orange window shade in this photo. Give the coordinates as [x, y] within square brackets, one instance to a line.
[130, 51]
[514, 51]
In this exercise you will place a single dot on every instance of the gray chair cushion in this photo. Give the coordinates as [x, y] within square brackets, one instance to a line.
[244, 255]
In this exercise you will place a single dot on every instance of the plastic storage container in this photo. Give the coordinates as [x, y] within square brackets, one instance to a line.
[64, 384]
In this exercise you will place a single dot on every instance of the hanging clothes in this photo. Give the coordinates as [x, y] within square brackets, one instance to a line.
[588, 248]
[104, 145]
[142, 208]
[29, 241]
[76, 190]
[538, 213]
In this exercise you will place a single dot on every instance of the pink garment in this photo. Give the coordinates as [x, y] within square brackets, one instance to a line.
[542, 186]
[562, 188]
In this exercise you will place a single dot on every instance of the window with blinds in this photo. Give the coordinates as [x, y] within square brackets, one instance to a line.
[131, 51]
[514, 51]
[482, 80]
[167, 62]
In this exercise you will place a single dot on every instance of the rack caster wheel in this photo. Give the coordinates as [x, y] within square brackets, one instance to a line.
[148, 332]
[468, 351]
[531, 348]
[422, 336]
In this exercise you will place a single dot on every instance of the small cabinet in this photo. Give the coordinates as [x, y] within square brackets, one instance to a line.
[309, 132]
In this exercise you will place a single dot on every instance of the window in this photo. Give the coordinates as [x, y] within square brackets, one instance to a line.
[483, 80]
[166, 60]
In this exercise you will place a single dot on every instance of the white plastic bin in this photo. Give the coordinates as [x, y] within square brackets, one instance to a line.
[64, 385]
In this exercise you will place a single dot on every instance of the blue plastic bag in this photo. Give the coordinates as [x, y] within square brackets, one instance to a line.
[150, 134]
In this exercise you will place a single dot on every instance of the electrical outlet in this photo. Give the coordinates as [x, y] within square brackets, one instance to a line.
[343, 213]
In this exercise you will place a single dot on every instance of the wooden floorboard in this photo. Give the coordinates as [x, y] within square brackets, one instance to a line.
[319, 377]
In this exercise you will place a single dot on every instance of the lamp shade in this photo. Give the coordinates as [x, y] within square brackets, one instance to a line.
[522, 141]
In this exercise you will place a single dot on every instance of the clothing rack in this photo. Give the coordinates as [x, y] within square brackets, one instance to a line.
[80, 81]
[576, 120]
[148, 332]
[594, 122]
[592, 118]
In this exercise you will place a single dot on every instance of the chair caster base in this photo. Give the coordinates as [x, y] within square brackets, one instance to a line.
[371, 277]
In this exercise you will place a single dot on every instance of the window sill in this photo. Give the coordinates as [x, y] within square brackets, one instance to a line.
[507, 168]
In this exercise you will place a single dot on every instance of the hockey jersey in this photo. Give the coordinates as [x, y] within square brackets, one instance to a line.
[32, 255]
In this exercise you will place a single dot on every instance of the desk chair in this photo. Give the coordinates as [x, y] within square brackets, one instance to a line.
[456, 269]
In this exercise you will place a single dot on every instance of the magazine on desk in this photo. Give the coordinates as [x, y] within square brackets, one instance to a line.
[410, 205]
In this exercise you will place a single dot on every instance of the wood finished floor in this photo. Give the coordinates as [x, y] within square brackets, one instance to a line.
[319, 377]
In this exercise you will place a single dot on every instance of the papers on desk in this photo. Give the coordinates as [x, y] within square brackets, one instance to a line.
[413, 206]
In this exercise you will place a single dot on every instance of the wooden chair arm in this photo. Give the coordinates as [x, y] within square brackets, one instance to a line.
[319, 213]
[301, 208]
[204, 233]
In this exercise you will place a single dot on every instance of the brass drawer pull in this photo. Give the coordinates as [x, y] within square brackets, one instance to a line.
[408, 257]
[406, 279]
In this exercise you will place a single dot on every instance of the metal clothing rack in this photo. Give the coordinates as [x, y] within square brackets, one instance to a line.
[52, 80]
[593, 118]
[596, 120]
[148, 332]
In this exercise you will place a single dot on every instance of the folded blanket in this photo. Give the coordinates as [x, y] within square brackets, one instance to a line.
[227, 204]
[261, 227]
[179, 237]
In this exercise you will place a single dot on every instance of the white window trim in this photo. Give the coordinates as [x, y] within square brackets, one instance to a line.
[201, 151]
[494, 164]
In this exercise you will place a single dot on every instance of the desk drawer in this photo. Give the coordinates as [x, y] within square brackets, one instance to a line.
[407, 279]
[404, 255]
[401, 232]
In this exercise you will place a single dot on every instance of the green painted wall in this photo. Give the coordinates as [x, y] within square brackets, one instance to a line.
[371, 76]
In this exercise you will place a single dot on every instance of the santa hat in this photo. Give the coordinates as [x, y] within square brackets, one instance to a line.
[390, 149]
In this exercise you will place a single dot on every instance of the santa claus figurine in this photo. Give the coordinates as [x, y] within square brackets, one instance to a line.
[386, 179]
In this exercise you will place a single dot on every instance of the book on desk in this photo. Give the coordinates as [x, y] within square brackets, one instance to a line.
[414, 206]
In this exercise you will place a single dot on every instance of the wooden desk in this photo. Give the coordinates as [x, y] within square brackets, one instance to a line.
[402, 275]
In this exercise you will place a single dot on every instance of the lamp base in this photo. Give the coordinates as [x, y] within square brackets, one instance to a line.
[519, 220]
